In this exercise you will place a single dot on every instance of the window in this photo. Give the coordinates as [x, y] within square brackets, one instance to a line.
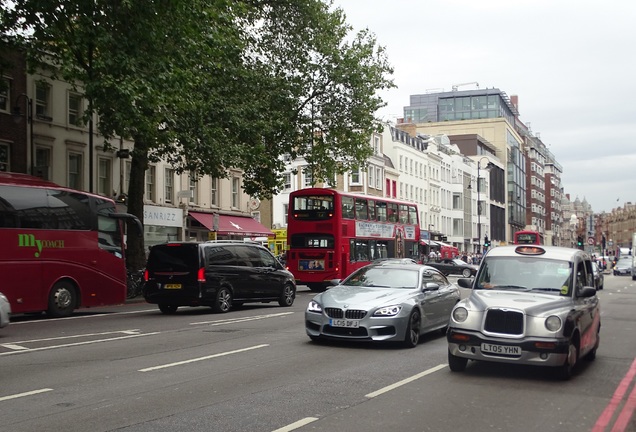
[287, 181]
[355, 176]
[362, 209]
[309, 177]
[5, 96]
[4, 157]
[74, 109]
[286, 212]
[376, 145]
[236, 183]
[150, 183]
[43, 162]
[371, 181]
[214, 192]
[381, 211]
[168, 182]
[42, 92]
[457, 201]
[75, 170]
[104, 177]
[378, 178]
[194, 188]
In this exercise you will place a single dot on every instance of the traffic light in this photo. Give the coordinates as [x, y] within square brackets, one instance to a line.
[579, 241]
[486, 241]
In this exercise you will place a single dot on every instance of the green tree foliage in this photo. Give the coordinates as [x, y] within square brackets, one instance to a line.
[209, 85]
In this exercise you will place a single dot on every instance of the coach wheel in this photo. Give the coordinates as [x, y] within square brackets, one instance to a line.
[62, 300]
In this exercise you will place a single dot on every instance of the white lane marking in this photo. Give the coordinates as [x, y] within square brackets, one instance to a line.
[19, 395]
[202, 358]
[296, 425]
[133, 331]
[14, 347]
[238, 320]
[74, 317]
[78, 343]
[406, 381]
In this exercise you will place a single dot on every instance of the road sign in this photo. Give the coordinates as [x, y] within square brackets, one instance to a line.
[590, 240]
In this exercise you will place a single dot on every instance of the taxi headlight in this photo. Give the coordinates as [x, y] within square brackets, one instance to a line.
[460, 314]
[314, 307]
[553, 323]
[388, 311]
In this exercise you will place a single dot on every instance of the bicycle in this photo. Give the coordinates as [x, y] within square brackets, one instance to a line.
[135, 282]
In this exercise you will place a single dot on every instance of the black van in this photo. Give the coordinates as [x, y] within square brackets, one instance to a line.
[217, 274]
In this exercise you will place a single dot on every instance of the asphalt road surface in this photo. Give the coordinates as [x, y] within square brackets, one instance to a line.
[130, 368]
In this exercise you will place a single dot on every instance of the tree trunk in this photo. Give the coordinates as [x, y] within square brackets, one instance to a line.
[136, 252]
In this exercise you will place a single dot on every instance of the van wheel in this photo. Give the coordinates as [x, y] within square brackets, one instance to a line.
[62, 300]
[223, 301]
[168, 309]
[287, 296]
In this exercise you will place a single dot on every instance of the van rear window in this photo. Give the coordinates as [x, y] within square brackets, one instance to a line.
[174, 257]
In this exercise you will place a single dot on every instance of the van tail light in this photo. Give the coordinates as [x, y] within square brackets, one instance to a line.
[146, 276]
[201, 275]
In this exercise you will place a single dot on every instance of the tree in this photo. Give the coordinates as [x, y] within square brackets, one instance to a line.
[210, 85]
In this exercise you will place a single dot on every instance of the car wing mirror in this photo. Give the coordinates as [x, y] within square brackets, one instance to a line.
[431, 286]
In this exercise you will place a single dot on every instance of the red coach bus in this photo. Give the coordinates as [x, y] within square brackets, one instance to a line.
[61, 248]
[528, 237]
[331, 233]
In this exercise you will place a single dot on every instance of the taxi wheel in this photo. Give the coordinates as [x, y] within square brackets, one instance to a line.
[466, 273]
[565, 372]
[223, 301]
[456, 364]
[412, 334]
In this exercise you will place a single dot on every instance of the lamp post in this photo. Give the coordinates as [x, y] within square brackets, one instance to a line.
[17, 117]
[487, 167]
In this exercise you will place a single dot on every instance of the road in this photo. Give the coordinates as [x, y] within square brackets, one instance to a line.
[130, 368]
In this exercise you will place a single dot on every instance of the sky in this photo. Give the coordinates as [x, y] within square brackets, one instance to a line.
[572, 64]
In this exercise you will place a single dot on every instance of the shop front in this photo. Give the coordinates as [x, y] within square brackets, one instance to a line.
[215, 226]
[162, 224]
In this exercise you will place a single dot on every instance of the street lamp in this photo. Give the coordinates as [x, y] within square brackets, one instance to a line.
[487, 167]
[17, 117]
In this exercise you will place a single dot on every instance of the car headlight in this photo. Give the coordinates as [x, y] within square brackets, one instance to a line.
[553, 323]
[388, 311]
[314, 307]
[460, 314]
[4, 297]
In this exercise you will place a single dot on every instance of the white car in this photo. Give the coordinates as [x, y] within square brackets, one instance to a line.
[5, 310]
[529, 305]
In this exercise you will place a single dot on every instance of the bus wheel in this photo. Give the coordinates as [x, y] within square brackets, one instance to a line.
[62, 300]
[316, 287]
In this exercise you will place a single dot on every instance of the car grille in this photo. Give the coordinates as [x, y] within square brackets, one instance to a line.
[504, 322]
[348, 314]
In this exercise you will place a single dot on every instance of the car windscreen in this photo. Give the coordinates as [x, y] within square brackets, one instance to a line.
[384, 277]
[525, 274]
[173, 257]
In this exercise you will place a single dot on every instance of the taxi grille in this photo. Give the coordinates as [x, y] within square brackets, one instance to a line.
[504, 322]
[348, 314]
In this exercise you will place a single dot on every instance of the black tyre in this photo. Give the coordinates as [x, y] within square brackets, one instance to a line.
[223, 301]
[62, 300]
[316, 287]
[287, 296]
[456, 364]
[168, 309]
[466, 273]
[412, 334]
[566, 371]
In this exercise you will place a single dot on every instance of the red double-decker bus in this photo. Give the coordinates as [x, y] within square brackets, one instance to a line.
[528, 237]
[61, 248]
[331, 233]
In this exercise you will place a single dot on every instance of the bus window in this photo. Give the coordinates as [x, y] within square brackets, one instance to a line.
[404, 213]
[359, 250]
[362, 209]
[381, 211]
[413, 215]
[371, 210]
[392, 212]
[347, 208]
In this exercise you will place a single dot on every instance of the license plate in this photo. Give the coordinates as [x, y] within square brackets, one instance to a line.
[344, 323]
[172, 286]
[501, 349]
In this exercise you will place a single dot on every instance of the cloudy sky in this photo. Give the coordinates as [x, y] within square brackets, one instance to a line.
[572, 63]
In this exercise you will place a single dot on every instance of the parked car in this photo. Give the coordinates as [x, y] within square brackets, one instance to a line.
[217, 274]
[623, 266]
[529, 305]
[599, 279]
[383, 303]
[5, 311]
[454, 266]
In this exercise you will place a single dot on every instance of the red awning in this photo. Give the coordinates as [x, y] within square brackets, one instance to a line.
[233, 225]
